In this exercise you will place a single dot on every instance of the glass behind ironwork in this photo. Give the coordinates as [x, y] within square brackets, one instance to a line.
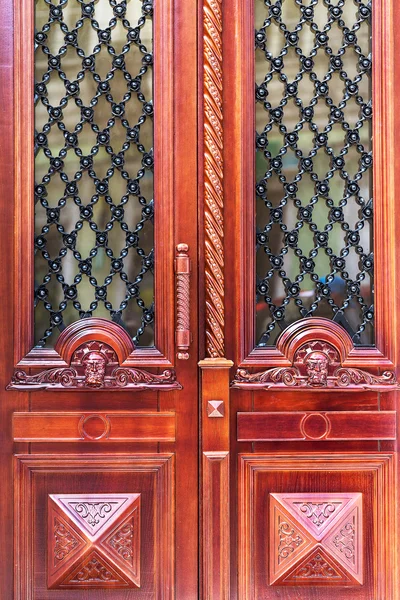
[94, 166]
[314, 165]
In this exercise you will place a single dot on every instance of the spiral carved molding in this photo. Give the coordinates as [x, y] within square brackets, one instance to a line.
[213, 178]
[182, 270]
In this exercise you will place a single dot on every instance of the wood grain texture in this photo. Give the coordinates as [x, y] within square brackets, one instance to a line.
[216, 518]
[94, 427]
[215, 487]
[316, 426]
[213, 178]
[323, 475]
[38, 476]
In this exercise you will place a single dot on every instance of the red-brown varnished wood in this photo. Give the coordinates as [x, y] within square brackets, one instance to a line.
[315, 426]
[170, 495]
[305, 483]
[215, 478]
[71, 480]
[93, 427]
[17, 401]
[239, 232]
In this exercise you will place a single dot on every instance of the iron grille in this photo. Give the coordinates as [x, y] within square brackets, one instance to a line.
[313, 165]
[94, 165]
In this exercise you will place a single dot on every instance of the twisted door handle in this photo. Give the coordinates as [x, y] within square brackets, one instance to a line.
[183, 337]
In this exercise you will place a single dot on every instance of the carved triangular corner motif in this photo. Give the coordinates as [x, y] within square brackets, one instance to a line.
[344, 541]
[65, 544]
[316, 569]
[289, 541]
[93, 513]
[95, 571]
[317, 512]
[122, 544]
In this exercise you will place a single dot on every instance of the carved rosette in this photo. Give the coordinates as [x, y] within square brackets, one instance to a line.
[213, 178]
[94, 365]
[322, 363]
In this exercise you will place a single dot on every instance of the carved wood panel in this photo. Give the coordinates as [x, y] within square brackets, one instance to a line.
[68, 536]
[316, 354]
[322, 529]
[316, 521]
[94, 355]
[94, 427]
[93, 541]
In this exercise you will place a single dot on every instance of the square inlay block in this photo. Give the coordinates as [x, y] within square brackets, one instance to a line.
[93, 541]
[316, 521]
[316, 539]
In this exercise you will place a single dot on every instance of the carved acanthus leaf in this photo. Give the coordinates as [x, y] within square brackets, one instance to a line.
[128, 378]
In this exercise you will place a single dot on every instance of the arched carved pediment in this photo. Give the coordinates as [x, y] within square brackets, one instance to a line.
[318, 353]
[94, 351]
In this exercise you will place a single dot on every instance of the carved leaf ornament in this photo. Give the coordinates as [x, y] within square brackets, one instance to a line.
[94, 364]
[323, 362]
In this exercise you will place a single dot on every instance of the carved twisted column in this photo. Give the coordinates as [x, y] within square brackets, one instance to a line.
[215, 368]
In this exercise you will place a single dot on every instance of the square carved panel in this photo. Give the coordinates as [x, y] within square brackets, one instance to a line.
[316, 539]
[73, 541]
[93, 541]
[318, 521]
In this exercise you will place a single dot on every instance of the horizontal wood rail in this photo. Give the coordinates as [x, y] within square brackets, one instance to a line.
[314, 426]
[92, 427]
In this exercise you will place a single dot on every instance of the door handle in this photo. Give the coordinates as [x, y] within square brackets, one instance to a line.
[183, 337]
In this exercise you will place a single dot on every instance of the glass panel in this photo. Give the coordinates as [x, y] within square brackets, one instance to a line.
[94, 232]
[314, 165]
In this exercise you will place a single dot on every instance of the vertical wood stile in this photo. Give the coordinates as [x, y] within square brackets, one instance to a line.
[215, 368]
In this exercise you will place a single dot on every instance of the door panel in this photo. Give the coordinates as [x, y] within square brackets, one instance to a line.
[98, 554]
[298, 533]
[283, 316]
[101, 406]
[192, 260]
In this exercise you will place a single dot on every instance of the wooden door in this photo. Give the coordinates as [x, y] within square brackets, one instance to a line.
[99, 286]
[192, 260]
[299, 385]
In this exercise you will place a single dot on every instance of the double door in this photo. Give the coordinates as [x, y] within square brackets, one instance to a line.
[199, 310]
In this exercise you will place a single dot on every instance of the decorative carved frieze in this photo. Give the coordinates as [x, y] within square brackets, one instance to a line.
[93, 365]
[321, 362]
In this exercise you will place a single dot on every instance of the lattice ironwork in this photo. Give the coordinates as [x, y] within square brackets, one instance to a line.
[93, 217]
[314, 164]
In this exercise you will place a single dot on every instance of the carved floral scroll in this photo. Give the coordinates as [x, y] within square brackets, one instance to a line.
[93, 359]
[315, 354]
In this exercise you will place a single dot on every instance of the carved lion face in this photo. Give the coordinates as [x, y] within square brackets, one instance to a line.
[95, 368]
[317, 368]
